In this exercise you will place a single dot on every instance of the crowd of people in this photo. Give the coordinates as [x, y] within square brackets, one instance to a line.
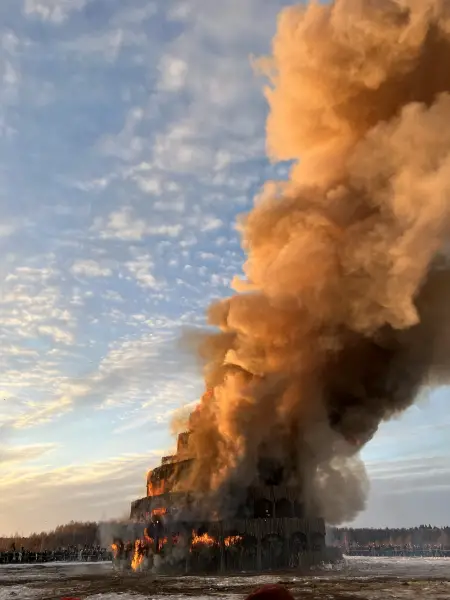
[72, 553]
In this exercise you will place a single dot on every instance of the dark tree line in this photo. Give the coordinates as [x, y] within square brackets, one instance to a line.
[72, 534]
[422, 536]
[82, 534]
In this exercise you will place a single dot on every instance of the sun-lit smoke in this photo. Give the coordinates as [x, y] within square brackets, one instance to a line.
[344, 313]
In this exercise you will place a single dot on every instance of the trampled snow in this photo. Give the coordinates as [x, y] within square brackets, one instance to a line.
[368, 578]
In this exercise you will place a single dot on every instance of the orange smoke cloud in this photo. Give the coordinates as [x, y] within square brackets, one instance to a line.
[343, 315]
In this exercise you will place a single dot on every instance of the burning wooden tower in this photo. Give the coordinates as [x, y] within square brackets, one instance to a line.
[258, 528]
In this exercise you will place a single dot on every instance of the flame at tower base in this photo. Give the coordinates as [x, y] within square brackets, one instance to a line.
[260, 528]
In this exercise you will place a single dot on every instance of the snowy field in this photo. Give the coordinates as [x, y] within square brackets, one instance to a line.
[356, 578]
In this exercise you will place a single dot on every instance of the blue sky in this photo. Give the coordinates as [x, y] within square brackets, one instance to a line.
[131, 135]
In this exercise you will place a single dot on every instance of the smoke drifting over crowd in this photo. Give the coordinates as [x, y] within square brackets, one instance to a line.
[344, 313]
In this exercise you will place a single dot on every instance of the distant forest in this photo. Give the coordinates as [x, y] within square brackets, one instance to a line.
[72, 534]
[88, 534]
[422, 536]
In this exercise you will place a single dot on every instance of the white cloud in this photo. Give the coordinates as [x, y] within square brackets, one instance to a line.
[10, 42]
[96, 184]
[125, 145]
[36, 324]
[6, 230]
[57, 334]
[211, 224]
[12, 350]
[174, 73]
[123, 225]
[133, 371]
[141, 268]
[39, 413]
[181, 149]
[222, 123]
[135, 16]
[153, 181]
[181, 392]
[10, 85]
[410, 468]
[31, 304]
[22, 454]
[126, 371]
[106, 45]
[90, 268]
[150, 185]
[54, 11]
[113, 296]
[10, 79]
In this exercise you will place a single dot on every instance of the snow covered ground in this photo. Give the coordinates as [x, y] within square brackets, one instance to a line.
[358, 578]
[48, 571]
[398, 566]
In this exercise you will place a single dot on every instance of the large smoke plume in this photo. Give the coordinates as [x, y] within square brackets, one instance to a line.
[344, 314]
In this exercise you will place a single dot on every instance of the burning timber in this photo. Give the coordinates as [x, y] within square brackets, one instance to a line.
[259, 528]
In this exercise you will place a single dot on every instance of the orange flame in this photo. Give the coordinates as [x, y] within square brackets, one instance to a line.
[159, 511]
[138, 556]
[156, 489]
[161, 542]
[232, 540]
[202, 540]
[115, 550]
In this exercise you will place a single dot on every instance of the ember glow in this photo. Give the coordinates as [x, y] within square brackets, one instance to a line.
[344, 313]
